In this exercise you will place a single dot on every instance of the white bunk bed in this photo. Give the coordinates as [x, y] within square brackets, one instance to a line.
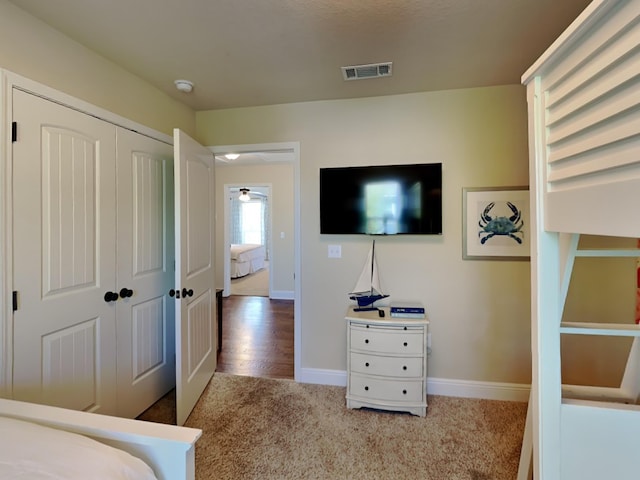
[168, 450]
[584, 130]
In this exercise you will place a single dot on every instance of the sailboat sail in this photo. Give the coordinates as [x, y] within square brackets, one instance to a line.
[369, 280]
[368, 289]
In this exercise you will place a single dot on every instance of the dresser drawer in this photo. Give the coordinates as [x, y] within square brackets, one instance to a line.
[397, 341]
[386, 390]
[386, 366]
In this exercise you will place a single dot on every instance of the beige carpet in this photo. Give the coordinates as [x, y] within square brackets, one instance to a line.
[256, 284]
[258, 428]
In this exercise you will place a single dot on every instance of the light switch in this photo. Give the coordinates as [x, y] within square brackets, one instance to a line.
[335, 251]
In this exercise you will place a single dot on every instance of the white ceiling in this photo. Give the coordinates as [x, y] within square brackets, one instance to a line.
[261, 52]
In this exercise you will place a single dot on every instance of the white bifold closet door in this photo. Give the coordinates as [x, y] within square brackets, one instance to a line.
[93, 261]
[145, 325]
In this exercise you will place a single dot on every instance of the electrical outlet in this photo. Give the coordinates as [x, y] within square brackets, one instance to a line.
[335, 251]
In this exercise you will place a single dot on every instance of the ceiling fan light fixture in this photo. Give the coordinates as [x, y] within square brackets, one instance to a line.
[231, 156]
[244, 195]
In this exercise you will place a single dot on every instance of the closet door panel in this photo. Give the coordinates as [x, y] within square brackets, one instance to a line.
[64, 252]
[145, 319]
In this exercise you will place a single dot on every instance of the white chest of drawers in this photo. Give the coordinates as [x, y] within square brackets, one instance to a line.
[386, 362]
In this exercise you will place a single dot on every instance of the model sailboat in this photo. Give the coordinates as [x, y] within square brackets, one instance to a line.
[367, 289]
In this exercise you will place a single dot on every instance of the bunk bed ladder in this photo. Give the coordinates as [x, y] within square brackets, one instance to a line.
[629, 390]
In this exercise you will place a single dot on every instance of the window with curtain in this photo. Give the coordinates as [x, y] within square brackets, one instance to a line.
[250, 220]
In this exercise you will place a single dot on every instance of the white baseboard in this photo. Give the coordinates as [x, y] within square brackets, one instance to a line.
[281, 295]
[516, 392]
[435, 386]
[323, 377]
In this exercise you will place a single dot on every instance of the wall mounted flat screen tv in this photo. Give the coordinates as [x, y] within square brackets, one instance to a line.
[382, 200]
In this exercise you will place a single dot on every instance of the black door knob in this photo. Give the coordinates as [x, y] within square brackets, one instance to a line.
[126, 292]
[110, 296]
[187, 293]
[175, 293]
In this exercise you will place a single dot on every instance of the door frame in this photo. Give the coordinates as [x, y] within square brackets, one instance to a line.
[9, 81]
[228, 187]
[294, 149]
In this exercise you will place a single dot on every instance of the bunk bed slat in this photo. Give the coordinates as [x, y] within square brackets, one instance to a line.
[588, 328]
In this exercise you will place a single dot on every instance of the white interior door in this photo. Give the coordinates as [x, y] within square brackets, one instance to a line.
[145, 250]
[64, 256]
[195, 276]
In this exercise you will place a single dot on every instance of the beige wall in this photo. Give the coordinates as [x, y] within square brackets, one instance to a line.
[602, 290]
[32, 49]
[479, 310]
[280, 178]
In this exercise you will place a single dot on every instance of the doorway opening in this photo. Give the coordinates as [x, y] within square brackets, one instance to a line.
[250, 233]
[249, 166]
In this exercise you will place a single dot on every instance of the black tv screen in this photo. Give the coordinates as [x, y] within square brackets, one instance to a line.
[382, 200]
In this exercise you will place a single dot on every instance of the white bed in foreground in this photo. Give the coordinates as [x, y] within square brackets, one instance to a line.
[168, 449]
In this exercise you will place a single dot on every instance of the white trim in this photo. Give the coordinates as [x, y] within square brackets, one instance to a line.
[6, 253]
[297, 304]
[513, 392]
[320, 376]
[282, 294]
[256, 147]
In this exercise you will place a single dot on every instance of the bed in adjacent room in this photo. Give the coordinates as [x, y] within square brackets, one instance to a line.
[246, 258]
[44, 442]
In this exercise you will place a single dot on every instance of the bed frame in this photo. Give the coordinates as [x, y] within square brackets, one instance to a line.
[584, 142]
[168, 449]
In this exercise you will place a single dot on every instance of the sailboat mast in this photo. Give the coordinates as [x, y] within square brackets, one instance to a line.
[373, 259]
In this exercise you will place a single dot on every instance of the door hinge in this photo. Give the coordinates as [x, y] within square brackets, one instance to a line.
[14, 132]
[15, 300]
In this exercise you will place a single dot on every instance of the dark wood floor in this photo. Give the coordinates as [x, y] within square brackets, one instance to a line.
[257, 337]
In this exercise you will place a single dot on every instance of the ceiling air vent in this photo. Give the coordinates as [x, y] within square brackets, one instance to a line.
[360, 72]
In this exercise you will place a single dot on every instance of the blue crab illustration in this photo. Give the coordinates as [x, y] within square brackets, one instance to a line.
[506, 226]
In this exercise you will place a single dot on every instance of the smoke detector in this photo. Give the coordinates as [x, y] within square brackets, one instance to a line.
[361, 72]
[184, 85]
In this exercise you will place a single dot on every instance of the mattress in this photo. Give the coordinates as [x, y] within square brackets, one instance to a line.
[246, 251]
[246, 259]
[32, 451]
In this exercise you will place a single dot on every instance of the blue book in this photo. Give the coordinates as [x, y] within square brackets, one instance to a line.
[406, 307]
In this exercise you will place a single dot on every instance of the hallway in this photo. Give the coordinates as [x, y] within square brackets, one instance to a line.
[257, 337]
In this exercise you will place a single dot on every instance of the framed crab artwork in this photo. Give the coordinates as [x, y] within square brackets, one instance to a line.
[495, 223]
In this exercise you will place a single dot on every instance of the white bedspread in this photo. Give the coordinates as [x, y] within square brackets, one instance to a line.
[245, 252]
[31, 451]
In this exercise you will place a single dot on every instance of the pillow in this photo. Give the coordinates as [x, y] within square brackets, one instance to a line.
[34, 452]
